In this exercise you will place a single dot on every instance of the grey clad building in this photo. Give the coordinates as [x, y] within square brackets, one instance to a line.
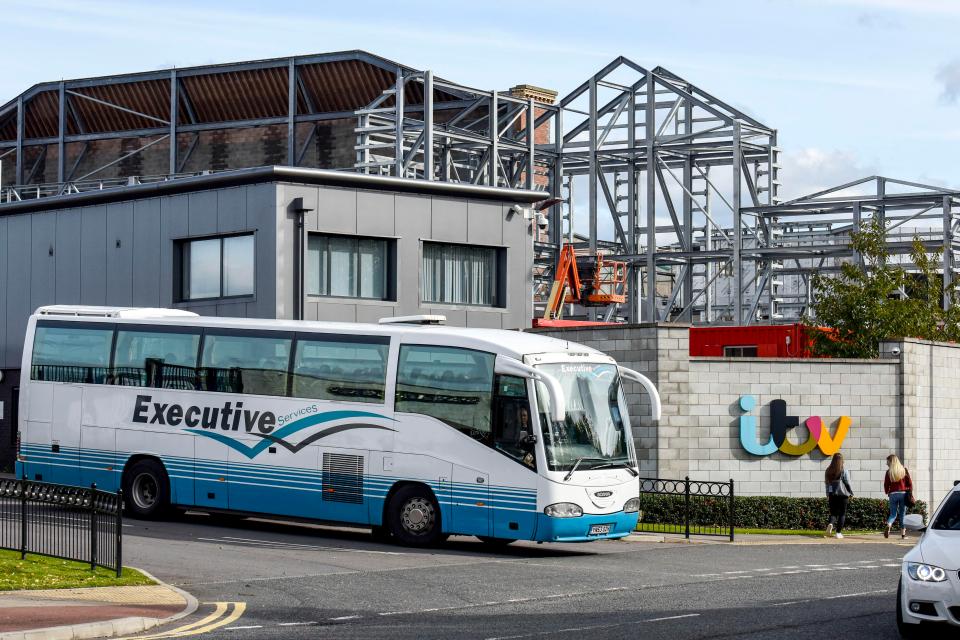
[258, 210]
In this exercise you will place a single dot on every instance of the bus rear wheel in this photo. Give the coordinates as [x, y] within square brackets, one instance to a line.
[414, 517]
[146, 489]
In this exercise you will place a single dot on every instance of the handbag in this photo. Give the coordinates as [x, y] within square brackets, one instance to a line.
[909, 499]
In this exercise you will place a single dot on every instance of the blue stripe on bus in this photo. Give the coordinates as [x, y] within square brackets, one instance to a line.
[376, 487]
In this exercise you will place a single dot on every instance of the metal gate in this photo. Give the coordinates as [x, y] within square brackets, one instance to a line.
[698, 507]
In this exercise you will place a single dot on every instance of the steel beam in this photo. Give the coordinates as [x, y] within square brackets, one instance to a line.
[172, 135]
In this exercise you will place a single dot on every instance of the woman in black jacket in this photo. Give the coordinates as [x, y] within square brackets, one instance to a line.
[837, 482]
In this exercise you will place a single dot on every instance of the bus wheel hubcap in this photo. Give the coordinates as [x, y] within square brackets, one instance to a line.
[417, 515]
[145, 490]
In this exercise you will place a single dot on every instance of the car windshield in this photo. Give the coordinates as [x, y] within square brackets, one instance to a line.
[594, 433]
[948, 519]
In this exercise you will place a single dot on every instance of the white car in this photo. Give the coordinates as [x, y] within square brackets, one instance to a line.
[929, 591]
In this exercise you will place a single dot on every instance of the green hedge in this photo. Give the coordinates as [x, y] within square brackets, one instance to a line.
[766, 512]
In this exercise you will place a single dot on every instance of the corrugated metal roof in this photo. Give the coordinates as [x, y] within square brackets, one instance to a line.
[329, 83]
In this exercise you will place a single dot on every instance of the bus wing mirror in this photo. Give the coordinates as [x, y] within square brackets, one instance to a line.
[512, 367]
[645, 382]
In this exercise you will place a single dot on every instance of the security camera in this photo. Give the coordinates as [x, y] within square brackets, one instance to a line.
[895, 351]
[542, 221]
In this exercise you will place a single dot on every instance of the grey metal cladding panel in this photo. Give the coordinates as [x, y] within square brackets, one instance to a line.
[231, 210]
[375, 213]
[413, 223]
[93, 255]
[310, 310]
[485, 319]
[232, 309]
[174, 224]
[448, 220]
[120, 253]
[455, 317]
[286, 193]
[262, 217]
[373, 312]
[336, 312]
[517, 237]
[147, 246]
[336, 210]
[485, 223]
[4, 272]
[17, 301]
[43, 273]
[68, 265]
[203, 213]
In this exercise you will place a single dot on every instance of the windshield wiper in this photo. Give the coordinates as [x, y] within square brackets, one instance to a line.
[624, 465]
[573, 468]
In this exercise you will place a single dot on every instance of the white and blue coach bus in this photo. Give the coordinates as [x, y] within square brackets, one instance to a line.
[415, 429]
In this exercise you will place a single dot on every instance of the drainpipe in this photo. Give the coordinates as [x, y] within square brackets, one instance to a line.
[296, 206]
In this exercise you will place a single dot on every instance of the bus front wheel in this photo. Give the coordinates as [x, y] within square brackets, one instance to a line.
[146, 489]
[414, 517]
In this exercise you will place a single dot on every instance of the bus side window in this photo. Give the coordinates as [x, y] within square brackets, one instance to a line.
[451, 384]
[345, 368]
[72, 352]
[161, 359]
[242, 363]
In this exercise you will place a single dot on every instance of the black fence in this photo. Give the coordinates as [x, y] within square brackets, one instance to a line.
[72, 523]
[687, 506]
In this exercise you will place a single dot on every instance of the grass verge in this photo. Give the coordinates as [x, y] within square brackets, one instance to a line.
[40, 572]
[810, 533]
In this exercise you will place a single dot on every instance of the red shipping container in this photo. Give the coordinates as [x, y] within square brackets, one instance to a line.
[762, 341]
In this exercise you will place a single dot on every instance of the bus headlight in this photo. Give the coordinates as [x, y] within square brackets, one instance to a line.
[925, 572]
[564, 510]
[632, 505]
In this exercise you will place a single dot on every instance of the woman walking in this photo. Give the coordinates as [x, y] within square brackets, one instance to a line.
[839, 492]
[896, 484]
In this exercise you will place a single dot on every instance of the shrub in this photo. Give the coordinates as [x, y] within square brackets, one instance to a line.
[766, 512]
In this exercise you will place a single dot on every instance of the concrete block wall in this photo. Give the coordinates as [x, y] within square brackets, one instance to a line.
[865, 390]
[930, 404]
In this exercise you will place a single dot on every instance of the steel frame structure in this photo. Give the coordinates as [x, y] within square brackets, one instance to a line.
[686, 186]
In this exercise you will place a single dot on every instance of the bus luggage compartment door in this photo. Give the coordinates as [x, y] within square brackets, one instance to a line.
[471, 501]
[65, 435]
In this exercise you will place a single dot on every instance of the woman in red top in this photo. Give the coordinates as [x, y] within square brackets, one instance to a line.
[896, 484]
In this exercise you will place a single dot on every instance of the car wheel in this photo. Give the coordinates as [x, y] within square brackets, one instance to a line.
[146, 490]
[496, 542]
[414, 517]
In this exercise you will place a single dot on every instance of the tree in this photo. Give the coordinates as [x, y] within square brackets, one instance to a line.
[877, 299]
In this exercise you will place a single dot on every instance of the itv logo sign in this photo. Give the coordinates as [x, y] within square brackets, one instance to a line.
[780, 425]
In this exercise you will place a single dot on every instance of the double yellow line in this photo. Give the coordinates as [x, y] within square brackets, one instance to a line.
[222, 616]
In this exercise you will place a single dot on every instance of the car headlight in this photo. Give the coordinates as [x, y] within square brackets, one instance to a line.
[925, 572]
[631, 505]
[564, 510]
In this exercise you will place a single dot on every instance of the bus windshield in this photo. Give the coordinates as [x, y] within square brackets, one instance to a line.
[594, 433]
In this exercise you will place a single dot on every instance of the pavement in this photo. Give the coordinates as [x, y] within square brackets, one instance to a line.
[68, 614]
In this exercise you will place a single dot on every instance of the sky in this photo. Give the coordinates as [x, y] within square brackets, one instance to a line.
[854, 87]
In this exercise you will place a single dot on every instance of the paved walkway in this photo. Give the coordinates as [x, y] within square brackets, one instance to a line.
[91, 612]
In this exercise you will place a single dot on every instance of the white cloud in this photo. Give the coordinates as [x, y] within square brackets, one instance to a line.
[949, 77]
[812, 169]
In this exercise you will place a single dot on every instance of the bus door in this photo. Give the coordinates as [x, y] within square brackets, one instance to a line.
[471, 501]
[514, 484]
[65, 434]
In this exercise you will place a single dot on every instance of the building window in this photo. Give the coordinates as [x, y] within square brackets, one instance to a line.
[462, 274]
[740, 352]
[220, 267]
[349, 267]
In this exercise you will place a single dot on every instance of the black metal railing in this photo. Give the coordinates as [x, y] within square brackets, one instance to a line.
[72, 523]
[697, 507]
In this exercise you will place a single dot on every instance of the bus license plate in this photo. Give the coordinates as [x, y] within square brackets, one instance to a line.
[599, 529]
